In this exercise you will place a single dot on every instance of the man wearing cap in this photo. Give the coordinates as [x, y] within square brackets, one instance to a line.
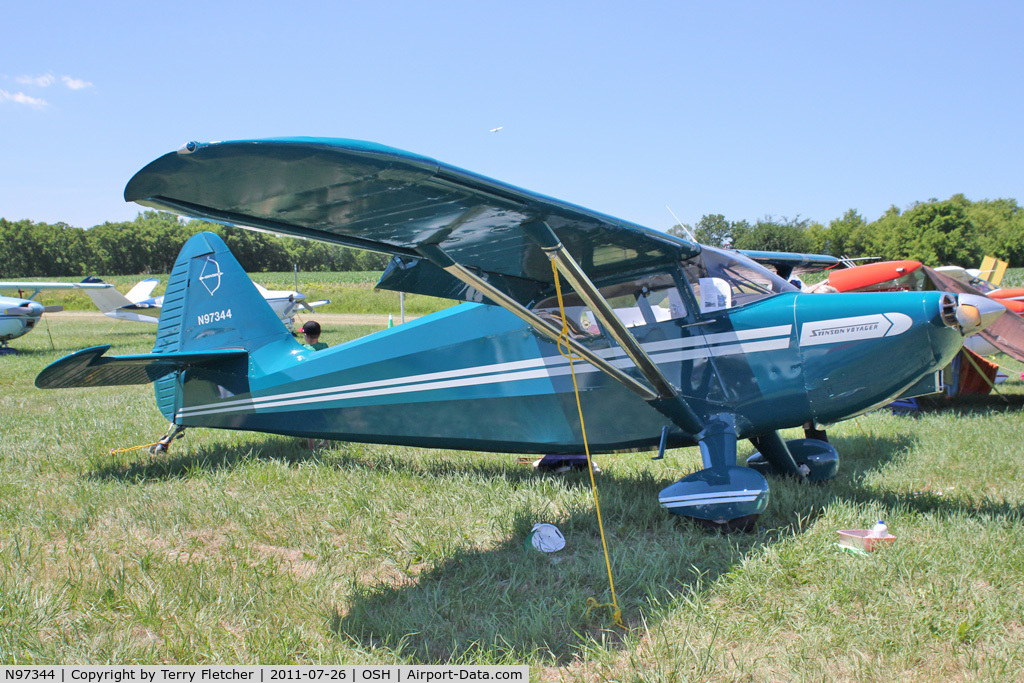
[311, 333]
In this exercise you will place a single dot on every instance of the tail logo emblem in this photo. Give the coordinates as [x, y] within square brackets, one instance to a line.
[210, 275]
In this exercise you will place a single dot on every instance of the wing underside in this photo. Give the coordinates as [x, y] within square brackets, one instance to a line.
[374, 197]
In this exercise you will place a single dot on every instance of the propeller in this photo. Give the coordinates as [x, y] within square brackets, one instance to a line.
[974, 313]
[292, 305]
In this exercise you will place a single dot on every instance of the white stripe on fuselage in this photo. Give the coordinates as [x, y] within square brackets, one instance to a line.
[668, 351]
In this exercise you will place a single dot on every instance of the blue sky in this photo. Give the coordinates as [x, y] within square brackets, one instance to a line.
[746, 109]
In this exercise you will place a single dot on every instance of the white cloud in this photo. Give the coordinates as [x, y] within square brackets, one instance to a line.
[44, 81]
[22, 98]
[75, 83]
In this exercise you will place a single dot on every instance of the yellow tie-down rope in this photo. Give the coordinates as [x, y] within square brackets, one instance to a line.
[563, 338]
[117, 451]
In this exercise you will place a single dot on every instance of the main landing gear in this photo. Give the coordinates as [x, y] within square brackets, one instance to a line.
[811, 459]
[728, 497]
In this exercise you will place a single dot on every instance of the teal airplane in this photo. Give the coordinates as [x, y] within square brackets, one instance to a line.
[675, 344]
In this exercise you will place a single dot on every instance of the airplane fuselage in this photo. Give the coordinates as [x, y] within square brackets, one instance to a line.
[475, 377]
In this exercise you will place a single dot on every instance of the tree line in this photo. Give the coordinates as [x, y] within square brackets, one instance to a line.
[955, 231]
[149, 245]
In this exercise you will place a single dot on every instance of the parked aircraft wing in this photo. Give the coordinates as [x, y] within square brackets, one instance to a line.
[107, 299]
[369, 196]
[786, 262]
[37, 287]
[88, 367]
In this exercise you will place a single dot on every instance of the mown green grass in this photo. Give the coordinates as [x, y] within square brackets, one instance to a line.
[244, 547]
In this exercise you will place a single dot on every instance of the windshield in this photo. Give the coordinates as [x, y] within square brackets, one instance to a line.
[722, 279]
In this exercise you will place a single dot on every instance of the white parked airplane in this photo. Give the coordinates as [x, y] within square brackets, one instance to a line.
[19, 315]
[137, 303]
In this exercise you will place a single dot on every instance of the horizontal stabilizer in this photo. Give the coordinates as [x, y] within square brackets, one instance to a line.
[87, 368]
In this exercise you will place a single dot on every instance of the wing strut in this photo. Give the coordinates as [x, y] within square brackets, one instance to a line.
[439, 258]
[570, 270]
[668, 400]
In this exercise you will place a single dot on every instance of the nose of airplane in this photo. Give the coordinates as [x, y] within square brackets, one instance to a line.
[974, 313]
[30, 309]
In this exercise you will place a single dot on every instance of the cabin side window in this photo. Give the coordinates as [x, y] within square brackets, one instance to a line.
[721, 280]
[642, 301]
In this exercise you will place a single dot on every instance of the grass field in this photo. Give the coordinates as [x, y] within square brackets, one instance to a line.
[241, 547]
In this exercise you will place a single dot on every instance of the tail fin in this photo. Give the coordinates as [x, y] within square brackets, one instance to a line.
[107, 300]
[210, 303]
[142, 290]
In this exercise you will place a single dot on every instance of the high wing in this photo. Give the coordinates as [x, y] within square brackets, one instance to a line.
[369, 196]
[37, 287]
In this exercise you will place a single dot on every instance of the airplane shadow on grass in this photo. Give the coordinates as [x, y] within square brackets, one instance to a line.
[205, 459]
[179, 464]
[509, 601]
